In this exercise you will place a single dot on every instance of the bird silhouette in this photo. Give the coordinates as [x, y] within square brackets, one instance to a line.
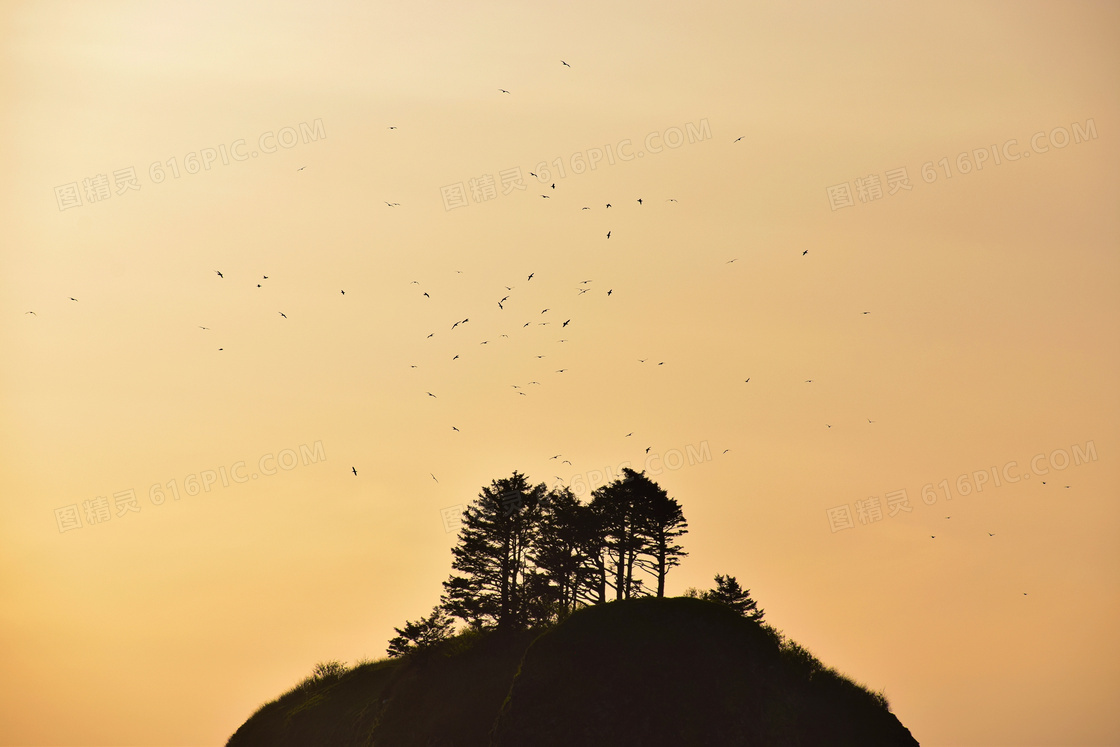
[31, 312]
[73, 299]
[429, 336]
[354, 470]
[990, 534]
[608, 234]
[219, 273]
[608, 204]
[738, 138]
[455, 429]
[561, 370]
[639, 200]
[201, 327]
[565, 462]
[503, 90]
[531, 274]
[301, 168]
[432, 395]
[748, 380]
[726, 450]
[344, 293]
[610, 291]
[433, 477]
[648, 448]
[804, 252]
[564, 63]
[283, 315]
[565, 324]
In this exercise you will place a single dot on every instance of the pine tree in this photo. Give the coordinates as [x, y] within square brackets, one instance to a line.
[729, 592]
[493, 555]
[425, 632]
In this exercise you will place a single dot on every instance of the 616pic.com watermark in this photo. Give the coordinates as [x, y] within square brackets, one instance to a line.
[96, 188]
[870, 510]
[870, 188]
[98, 511]
[483, 187]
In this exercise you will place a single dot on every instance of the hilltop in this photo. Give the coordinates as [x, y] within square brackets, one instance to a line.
[649, 672]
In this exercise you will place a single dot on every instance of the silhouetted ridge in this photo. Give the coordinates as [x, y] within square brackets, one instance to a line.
[640, 672]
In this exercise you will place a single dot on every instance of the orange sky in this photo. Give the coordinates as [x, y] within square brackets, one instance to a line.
[992, 335]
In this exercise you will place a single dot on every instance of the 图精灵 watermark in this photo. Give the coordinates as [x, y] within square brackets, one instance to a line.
[99, 510]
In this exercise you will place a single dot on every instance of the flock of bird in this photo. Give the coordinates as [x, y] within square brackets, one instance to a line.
[520, 389]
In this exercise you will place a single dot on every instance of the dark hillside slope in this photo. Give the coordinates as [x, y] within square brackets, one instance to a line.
[642, 672]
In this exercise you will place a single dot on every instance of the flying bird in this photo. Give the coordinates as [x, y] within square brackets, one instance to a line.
[219, 273]
[201, 327]
[503, 90]
[283, 315]
[556, 457]
[429, 336]
[354, 470]
[610, 291]
[392, 127]
[648, 448]
[392, 204]
[608, 234]
[455, 358]
[731, 260]
[426, 296]
[564, 63]
[73, 299]
[804, 252]
[531, 274]
[432, 395]
[869, 420]
[608, 204]
[301, 168]
[628, 435]
[738, 138]
[344, 293]
[545, 196]
[433, 477]
[726, 450]
[565, 462]
[455, 429]
[565, 324]
[748, 380]
[30, 312]
[561, 370]
[639, 200]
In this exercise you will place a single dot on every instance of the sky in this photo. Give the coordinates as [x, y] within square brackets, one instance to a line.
[862, 324]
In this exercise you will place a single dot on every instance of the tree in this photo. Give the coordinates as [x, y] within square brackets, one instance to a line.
[493, 555]
[425, 632]
[662, 522]
[559, 554]
[729, 592]
[639, 524]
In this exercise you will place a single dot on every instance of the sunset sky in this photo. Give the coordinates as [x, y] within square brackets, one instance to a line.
[949, 168]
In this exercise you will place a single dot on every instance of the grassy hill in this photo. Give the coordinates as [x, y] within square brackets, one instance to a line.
[642, 672]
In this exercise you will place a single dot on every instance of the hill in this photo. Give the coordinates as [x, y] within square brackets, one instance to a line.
[641, 672]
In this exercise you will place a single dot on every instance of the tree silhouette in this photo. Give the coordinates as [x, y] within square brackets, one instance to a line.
[639, 524]
[493, 554]
[559, 552]
[426, 631]
[662, 523]
[729, 592]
